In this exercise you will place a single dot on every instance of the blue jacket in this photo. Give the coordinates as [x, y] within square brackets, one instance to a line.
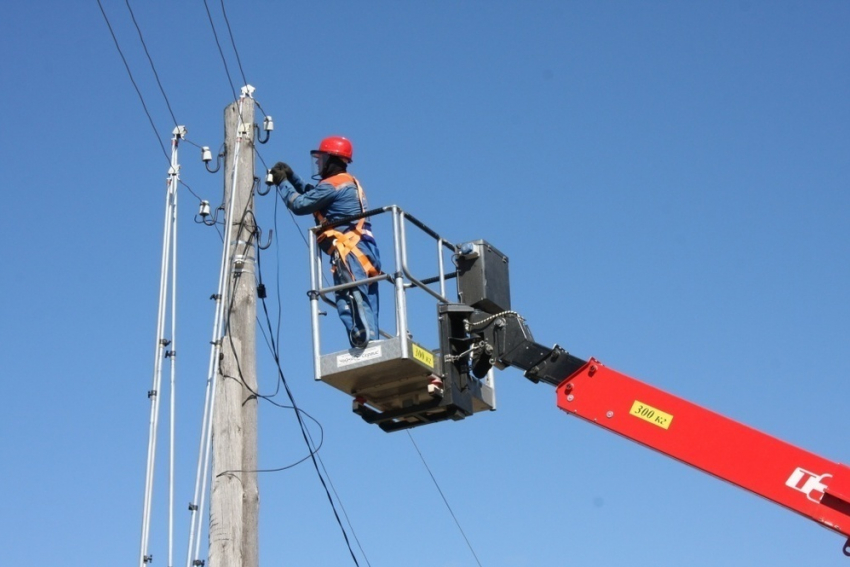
[332, 203]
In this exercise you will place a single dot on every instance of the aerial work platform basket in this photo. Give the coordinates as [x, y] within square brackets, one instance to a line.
[397, 382]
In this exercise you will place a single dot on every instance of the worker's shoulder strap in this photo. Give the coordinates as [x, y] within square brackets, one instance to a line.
[338, 180]
[345, 242]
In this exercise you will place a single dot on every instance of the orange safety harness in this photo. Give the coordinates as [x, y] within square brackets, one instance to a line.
[345, 243]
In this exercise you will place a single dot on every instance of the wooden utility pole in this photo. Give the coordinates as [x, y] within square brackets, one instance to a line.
[234, 496]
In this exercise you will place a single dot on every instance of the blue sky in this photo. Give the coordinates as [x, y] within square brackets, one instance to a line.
[669, 179]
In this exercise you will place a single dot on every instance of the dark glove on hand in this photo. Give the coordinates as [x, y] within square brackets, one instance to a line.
[280, 173]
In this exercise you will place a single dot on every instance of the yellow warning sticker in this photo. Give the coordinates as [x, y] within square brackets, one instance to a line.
[651, 414]
[423, 356]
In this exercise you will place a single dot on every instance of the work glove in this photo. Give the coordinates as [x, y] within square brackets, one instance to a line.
[280, 173]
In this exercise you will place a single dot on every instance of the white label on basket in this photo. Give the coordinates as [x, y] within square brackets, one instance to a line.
[368, 354]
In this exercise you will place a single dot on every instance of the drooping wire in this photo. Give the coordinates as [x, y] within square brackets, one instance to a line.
[344, 511]
[276, 355]
[150, 59]
[306, 434]
[132, 80]
[311, 445]
[257, 151]
[242, 226]
[190, 190]
[220, 51]
[443, 496]
[233, 42]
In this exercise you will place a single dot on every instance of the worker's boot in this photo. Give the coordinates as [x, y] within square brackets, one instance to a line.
[358, 338]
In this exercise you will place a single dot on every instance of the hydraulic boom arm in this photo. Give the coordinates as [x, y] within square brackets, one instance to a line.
[792, 477]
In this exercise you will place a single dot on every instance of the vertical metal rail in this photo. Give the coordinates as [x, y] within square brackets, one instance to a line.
[440, 244]
[315, 280]
[169, 244]
[219, 323]
[398, 279]
[172, 396]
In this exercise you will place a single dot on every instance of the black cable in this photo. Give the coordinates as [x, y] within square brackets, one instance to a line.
[233, 42]
[315, 448]
[260, 107]
[257, 151]
[220, 51]
[344, 511]
[444, 498]
[304, 430]
[183, 183]
[295, 222]
[305, 434]
[291, 465]
[155, 74]
[307, 441]
[132, 80]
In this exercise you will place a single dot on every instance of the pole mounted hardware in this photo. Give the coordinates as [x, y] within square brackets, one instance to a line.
[204, 215]
[206, 157]
[268, 126]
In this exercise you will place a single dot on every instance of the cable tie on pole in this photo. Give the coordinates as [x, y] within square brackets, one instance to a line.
[148, 559]
[164, 342]
[216, 296]
[193, 507]
[151, 393]
[170, 353]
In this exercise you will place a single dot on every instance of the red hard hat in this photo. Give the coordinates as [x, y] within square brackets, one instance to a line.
[336, 146]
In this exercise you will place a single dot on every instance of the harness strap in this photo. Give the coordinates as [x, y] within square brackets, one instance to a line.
[346, 242]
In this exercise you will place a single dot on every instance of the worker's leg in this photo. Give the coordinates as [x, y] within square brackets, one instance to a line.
[358, 307]
[368, 293]
[344, 300]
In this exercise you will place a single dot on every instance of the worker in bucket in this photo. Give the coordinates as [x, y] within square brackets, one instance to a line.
[352, 248]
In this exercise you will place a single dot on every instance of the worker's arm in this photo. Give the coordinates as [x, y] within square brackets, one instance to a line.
[299, 185]
[313, 199]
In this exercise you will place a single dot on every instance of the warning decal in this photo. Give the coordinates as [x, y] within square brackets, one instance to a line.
[423, 356]
[650, 414]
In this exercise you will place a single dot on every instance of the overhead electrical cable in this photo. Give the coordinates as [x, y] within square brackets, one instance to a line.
[190, 190]
[443, 496]
[220, 51]
[306, 434]
[132, 80]
[233, 43]
[150, 59]
[342, 506]
[273, 340]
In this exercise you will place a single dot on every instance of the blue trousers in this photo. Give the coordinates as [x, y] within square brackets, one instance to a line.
[358, 306]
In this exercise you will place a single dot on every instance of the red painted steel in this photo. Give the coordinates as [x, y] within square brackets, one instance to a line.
[792, 477]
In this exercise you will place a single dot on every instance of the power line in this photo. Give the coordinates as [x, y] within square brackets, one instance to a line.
[233, 42]
[274, 351]
[190, 190]
[150, 59]
[444, 498]
[220, 51]
[305, 432]
[311, 446]
[132, 80]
